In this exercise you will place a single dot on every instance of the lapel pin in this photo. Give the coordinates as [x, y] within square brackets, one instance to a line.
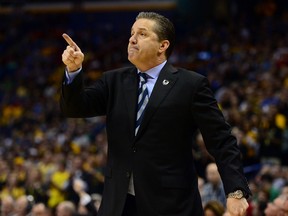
[165, 82]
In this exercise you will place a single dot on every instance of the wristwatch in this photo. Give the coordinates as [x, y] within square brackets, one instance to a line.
[238, 194]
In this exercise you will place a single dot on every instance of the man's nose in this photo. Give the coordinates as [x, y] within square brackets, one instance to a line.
[132, 40]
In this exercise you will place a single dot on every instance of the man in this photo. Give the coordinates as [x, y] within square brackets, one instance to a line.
[86, 205]
[40, 209]
[66, 208]
[150, 169]
[213, 188]
[7, 205]
[23, 205]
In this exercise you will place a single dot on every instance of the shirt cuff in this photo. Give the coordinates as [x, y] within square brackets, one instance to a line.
[69, 77]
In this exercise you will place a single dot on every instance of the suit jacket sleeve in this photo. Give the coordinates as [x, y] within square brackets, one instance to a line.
[78, 101]
[220, 143]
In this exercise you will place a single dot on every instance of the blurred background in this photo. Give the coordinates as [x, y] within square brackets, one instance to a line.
[240, 45]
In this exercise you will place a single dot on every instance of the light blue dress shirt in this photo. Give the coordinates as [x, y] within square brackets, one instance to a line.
[153, 75]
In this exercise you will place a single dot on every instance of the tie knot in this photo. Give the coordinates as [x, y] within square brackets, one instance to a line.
[143, 77]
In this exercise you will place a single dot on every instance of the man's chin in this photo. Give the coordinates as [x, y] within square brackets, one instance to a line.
[132, 59]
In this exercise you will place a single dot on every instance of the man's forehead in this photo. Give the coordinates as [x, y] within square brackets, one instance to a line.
[143, 24]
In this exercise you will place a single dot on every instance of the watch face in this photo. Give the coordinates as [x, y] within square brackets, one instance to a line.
[239, 194]
[236, 194]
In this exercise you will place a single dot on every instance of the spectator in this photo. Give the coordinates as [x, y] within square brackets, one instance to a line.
[278, 207]
[78, 172]
[12, 187]
[213, 188]
[66, 208]
[58, 185]
[213, 208]
[35, 186]
[39, 209]
[7, 206]
[86, 205]
[23, 205]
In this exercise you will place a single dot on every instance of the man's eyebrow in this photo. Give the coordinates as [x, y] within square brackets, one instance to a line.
[145, 29]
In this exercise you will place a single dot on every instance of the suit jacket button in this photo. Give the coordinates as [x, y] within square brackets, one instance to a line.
[134, 149]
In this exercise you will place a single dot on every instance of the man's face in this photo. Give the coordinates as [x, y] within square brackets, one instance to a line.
[143, 47]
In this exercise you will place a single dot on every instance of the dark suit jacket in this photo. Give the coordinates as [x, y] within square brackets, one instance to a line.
[160, 156]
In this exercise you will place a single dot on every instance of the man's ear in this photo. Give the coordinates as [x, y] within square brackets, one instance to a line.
[164, 46]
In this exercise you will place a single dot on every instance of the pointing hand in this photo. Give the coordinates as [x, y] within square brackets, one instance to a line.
[72, 56]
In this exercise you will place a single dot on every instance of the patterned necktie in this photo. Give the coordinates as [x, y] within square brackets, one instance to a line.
[142, 99]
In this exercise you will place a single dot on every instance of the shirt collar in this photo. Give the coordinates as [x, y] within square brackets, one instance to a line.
[154, 72]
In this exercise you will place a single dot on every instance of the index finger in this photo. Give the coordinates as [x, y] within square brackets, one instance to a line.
[69, 40]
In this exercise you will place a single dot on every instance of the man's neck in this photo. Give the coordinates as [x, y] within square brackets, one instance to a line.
[144, 68]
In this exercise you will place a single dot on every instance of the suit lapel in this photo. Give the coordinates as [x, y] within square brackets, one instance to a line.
[165, 82]
[130, 94]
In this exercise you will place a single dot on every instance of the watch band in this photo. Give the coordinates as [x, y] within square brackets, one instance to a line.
[238, 194]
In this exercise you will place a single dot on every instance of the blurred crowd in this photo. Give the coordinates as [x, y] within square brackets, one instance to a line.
[44, 156]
